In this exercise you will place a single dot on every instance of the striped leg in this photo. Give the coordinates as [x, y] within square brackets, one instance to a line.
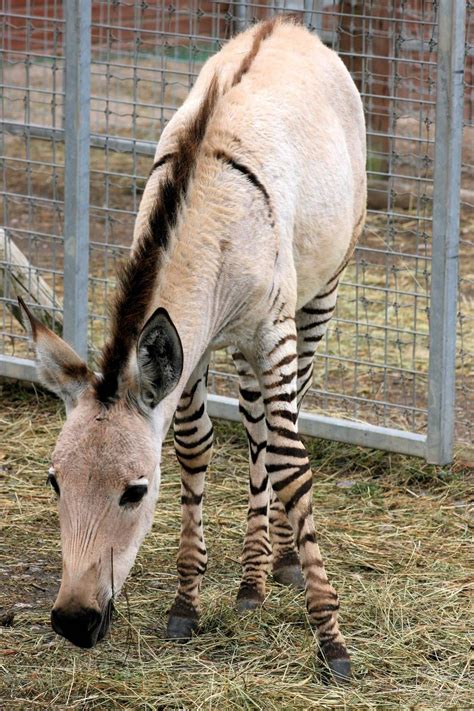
[193, 435]
[291, 478]
[257, 552]
[311, 324]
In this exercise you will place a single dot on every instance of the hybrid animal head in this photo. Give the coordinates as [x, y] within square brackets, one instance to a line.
[105, 468]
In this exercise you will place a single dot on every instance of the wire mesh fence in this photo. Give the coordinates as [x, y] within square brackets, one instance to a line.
[373, 367]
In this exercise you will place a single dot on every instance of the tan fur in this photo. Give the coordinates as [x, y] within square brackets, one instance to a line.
[239, 263]
[317, 201]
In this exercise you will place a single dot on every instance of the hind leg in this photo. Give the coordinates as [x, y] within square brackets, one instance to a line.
[257, 552]
[290, 475]
[311, 324]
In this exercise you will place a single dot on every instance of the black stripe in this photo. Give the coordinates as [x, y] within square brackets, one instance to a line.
[286, 360]
[257, 511]
[314, 339]
[187, 488]
[191, 418]
[303, 385]
[252, 556]
[280, 467]
[254, 447]
[341, 269]
[249, 417]
[284, 432]
[192, 470]
[285, 339]
[298, 452]
[249, 174]
[309, 326]
[285, 415]
[318, 312]
[161, 161]
[194, 499]
[303, 371]
[307, 538]
[189, 396]
[259, 529]
[280, 397]
[275, 298]
[323, 608]
[255, 490]
[279, 485]
[284, 380]
[307, 354]
[304, 488]
[186, 433]
[250, 395]
[187, 569]
[331, 290]
[190, 445]
[193, 455]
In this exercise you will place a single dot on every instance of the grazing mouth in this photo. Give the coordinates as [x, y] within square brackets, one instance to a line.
[106, 620]
[84, 627]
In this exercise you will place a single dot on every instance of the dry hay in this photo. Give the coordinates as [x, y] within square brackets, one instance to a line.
[394, 533]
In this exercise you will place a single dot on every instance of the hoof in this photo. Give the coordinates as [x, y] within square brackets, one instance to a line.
[248, 598]
[340, 671]
[244, 604]
[290, 576]
[181, 628]
[337, 664]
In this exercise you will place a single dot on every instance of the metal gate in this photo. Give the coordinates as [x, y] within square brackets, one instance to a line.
[87, 89]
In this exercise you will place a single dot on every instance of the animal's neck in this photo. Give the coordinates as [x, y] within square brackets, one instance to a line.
[193, 284]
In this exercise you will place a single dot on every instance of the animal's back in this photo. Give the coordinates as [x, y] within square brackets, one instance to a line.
[295, 119]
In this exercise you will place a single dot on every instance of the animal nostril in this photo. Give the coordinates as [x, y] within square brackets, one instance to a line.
[80, 626]
[56, 616]
[94, 619]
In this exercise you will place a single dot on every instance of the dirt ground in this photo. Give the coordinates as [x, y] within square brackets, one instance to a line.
[397, 544]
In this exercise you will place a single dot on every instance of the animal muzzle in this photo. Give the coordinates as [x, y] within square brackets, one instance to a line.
[83, 626]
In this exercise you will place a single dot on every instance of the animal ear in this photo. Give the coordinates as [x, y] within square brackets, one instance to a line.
[159, 357]
[59, 367]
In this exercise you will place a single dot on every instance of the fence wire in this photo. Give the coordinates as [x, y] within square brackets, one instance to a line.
[373, 364]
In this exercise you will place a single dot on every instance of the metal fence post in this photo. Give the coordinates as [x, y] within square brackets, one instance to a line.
[77, 44]
[446, 197]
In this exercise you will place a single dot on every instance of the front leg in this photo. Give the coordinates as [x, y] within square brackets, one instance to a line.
[193, 437]
[290, 475]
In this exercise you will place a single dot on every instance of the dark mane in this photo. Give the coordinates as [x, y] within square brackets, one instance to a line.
[264, 30]
[137, 278]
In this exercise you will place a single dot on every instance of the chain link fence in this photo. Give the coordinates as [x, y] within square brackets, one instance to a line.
[75, 155]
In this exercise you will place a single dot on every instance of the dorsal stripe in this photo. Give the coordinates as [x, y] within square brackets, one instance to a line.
[137, 278]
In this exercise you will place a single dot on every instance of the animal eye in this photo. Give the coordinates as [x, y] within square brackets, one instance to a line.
[53, 482]
[133, 494]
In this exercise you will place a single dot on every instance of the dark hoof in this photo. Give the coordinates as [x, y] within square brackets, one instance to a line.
[181, 628]
[244, 604]
[337, 663]
[248, 598]
[290, 576]
[340, 671]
